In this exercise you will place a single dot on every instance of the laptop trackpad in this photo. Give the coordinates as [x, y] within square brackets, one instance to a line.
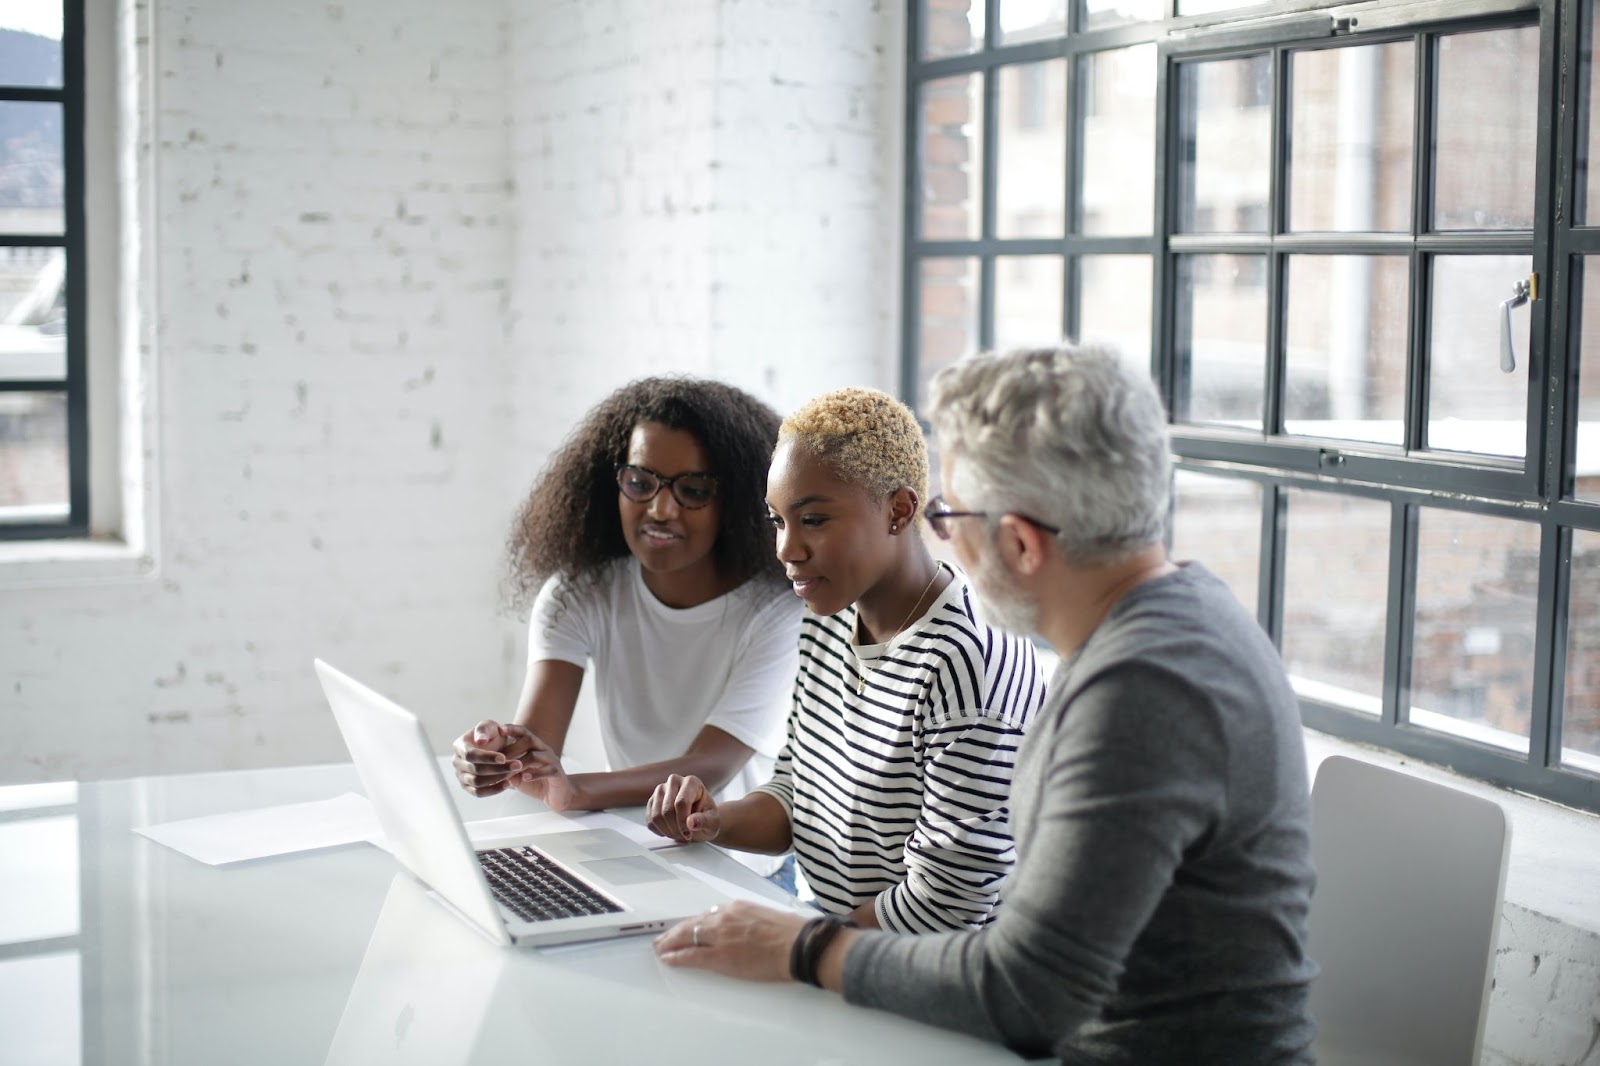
[633, 870]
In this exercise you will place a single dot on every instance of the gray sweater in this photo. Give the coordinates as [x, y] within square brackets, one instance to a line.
[1157, 912]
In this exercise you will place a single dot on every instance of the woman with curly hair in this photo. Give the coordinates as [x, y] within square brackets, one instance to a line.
[892, 785]
[647, 543]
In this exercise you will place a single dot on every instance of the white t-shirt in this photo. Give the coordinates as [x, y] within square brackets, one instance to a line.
[661, 673]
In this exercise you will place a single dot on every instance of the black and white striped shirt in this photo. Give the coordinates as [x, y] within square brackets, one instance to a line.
[898, 792]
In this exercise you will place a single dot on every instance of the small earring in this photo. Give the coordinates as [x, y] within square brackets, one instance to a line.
[894, 527]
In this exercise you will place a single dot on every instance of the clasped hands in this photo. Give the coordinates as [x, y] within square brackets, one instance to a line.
[491, 757]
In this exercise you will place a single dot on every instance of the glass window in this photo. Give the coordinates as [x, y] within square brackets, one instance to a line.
[947, 312]
[1225, 155]
[1031, 168]
[32, 168]
[1221, 339]
[1336, 601]
[32, 32]
[952, 27]
[1580, 721]
[1350, 149]
[1586, 454]
[1217, 521]
[1028, 290]
[1477, 387]
[952, 157]
[1473, 643]
[1114, 303]
[1487, 125]
[1031, 20]
[1097, 14]
[1345, 346]
[34, 476]
[1119, 140]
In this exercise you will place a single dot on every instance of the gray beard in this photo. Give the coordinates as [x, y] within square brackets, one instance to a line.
[1001, 601]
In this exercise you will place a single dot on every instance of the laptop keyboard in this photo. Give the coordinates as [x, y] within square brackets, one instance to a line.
[536, 889]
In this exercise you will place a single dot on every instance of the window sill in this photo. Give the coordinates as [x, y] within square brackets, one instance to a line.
[49, 563]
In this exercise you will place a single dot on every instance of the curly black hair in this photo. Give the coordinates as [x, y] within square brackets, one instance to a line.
[568, 524]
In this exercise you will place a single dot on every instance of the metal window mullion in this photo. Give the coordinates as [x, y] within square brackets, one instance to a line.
[1077, 118]
[1543, 435]
[1399, 633]
[1163, 280]
[1550, 630]
[1274, 545]
[1277, 180]
[77, 266]
[989, 194]
[911, 216]
[1414, 433]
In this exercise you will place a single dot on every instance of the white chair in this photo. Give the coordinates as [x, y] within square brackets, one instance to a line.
[1410, 877]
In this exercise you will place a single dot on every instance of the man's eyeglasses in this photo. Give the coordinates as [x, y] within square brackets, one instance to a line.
[939, 514]
[640, 484]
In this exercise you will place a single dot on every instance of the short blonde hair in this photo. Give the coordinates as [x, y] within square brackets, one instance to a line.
[866, 437]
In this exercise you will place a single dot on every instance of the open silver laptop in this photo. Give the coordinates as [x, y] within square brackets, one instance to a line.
[554, 888]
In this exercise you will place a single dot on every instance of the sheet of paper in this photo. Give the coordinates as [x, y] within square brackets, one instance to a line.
[219, 839]
[733, 891]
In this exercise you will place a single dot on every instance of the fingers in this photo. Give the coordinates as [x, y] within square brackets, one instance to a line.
[738, 939]
[681, 808]
[482, 768]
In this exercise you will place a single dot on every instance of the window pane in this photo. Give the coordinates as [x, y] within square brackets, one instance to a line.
[1205, 7]
[1027, 301]
[30, 41]
[1093, 14]
[1473, 647]
[1217, 521]
[1586, 459]
[1335, 601]
[1119, 140]
[33, 456]
[1221, 339]
[1488, 118]
[39, 878]
[952, 27]
[1474, 405]
[1031, 20]
[1350, 150]
[948, 314]
[1345, 338]
[1588, 183]
[32, 176]
[1225, 125]
[43, 997]
[1031, 164]
[1580, 729]
[33, 314]
[1114, 303]
[952, 158]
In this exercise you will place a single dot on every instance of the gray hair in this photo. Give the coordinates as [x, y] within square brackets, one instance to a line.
[1071, 436]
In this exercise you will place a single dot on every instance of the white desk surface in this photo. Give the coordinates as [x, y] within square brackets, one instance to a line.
[334, 957]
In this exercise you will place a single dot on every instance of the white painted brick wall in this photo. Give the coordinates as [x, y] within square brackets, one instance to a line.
[333, 243]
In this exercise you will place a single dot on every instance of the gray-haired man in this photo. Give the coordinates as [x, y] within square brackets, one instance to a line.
[1157, 912]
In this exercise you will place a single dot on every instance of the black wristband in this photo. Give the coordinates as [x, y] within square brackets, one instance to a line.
[805, 958]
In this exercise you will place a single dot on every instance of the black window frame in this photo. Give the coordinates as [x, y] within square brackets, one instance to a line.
[1537, 488]
[70, 95]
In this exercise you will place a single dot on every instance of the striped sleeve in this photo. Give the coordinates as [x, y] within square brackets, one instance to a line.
[961, 848]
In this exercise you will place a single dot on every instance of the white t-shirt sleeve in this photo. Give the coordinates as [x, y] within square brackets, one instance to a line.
[562, 632]
[754, 705]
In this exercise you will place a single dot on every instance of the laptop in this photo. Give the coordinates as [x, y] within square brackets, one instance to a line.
[552, 888]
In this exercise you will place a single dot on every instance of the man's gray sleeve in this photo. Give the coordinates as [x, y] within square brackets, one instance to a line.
[1133, 775]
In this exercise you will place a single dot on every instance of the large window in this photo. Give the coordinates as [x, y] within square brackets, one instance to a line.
[1350, 243]
[44, 483]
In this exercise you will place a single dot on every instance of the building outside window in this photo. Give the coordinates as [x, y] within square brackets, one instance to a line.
[1349, 243]
[43, 394]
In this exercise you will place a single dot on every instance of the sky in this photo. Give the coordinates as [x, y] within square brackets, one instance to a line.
[35, 16]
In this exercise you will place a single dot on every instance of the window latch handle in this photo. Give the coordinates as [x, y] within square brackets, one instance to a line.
[1521, 293]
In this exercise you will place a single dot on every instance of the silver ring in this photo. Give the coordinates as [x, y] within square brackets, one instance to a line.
[697, 934]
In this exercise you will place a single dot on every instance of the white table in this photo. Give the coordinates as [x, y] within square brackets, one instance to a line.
[335, 957]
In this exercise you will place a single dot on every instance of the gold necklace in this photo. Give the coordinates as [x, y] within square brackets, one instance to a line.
[861, 671]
